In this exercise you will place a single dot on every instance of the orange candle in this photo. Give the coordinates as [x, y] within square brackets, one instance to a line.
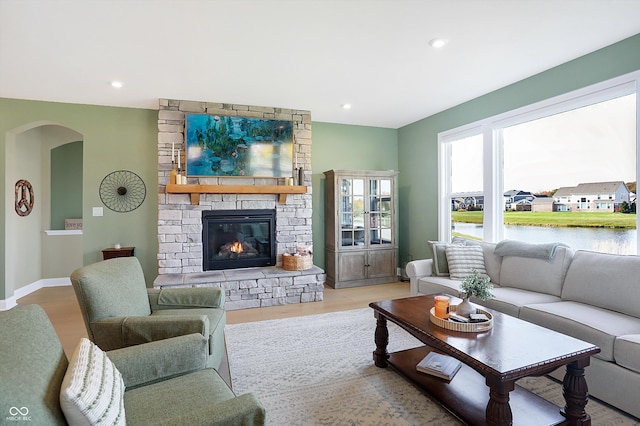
[442, 306]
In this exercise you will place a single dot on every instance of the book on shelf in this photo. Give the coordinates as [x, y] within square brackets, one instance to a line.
[439, 365]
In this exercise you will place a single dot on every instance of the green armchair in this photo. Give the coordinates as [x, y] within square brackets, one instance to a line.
[120, 311]
[165, 382]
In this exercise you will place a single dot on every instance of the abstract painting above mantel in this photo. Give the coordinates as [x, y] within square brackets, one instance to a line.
[218, 145]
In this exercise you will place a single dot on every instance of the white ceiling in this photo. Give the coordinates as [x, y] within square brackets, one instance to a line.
[303, 54]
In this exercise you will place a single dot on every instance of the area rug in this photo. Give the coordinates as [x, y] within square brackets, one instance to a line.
[318, 370]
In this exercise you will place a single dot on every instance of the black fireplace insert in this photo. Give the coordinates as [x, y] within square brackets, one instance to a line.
[238, 239]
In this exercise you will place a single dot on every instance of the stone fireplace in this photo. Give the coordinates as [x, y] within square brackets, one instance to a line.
[181, 251]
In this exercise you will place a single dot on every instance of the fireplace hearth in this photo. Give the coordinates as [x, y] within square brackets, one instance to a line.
[238, 239]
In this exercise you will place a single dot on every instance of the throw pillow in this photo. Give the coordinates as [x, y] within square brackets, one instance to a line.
[463, 260]
[440, 264]
[92, 391]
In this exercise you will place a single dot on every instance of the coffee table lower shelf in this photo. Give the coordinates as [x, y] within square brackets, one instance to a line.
[467, 394]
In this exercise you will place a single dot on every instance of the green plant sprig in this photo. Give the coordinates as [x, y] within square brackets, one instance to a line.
[477, 286]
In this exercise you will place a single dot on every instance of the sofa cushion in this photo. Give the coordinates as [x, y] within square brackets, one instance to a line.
[464, 261]
[195, 392]
[609, 281]
[509, 300]
[435, 285]
[492, 262]
[92, 391]
[440, 264]
[595, 325]
[626, 351]
[536, 274]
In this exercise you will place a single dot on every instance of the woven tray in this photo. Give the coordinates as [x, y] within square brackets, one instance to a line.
[297, 263]
[465, 327]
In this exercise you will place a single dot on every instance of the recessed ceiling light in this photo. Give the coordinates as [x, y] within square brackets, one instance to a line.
[346, 106]
[437, 43]
[117, 84]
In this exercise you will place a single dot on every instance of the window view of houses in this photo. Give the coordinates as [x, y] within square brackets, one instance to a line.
[568, 177]
[585, 197]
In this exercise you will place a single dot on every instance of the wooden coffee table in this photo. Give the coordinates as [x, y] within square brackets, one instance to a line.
[484, 391]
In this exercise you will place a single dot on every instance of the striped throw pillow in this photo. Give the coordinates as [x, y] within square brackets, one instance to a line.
[440, 266]
[92, 391]
[463, 260]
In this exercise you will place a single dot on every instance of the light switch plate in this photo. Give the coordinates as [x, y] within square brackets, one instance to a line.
[97, 211]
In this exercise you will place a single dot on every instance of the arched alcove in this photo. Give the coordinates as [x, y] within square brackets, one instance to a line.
[34, 257]
[66, 185]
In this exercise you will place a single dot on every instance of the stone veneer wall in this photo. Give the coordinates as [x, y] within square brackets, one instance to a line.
[179, 222]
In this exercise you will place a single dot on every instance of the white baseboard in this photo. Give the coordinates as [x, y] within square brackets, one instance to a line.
[56, 282]
[10, 302]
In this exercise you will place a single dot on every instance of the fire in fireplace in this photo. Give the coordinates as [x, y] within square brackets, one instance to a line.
[238, 238]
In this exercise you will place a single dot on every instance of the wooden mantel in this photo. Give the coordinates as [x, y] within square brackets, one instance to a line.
[196, 190]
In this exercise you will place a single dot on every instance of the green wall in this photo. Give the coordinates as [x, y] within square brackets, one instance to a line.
[113, 139]
[66, 183]
[417, 142]
[343, 147]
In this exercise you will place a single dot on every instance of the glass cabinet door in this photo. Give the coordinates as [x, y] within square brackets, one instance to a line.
[352, 212]
[380, 219]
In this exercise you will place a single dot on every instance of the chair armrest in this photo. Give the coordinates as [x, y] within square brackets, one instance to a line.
[245, 409]
[176, 298]
[121, 332]
[107, 333]
[137, 330]
[417, 269]
[155, 361]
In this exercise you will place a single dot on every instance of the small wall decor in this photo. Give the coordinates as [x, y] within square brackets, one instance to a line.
[218, 145]
[73, 224]
[122, 191]
[24, 197]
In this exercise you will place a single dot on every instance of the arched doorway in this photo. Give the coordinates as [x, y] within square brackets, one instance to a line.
[34, 256]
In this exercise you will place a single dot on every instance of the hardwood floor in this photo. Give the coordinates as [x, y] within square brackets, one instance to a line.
[62, 307]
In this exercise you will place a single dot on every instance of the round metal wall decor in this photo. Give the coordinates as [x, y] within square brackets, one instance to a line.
[24, 197]
[122, 191]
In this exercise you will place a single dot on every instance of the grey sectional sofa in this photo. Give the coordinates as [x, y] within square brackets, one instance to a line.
[592, 296]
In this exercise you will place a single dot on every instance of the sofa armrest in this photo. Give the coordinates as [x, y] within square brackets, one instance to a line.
[245, 409]
[155, 361]
[176, 298]
[120, 332]
[417, 269]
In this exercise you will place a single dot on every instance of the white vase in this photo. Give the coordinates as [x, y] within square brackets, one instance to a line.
[465, 308]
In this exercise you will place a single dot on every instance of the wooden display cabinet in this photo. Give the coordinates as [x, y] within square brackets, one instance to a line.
[361, 227]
